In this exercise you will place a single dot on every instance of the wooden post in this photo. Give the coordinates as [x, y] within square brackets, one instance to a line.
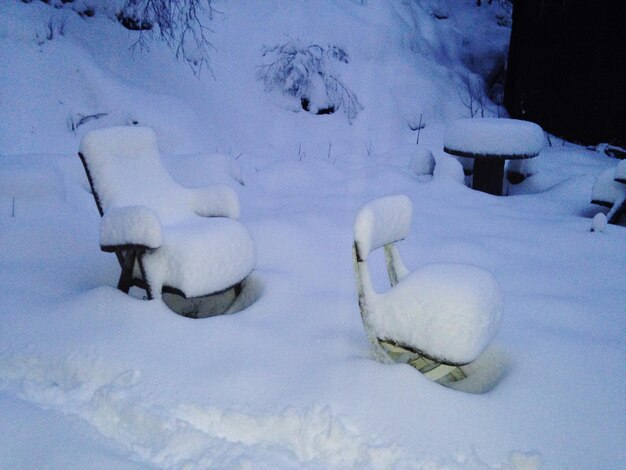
[488, 175]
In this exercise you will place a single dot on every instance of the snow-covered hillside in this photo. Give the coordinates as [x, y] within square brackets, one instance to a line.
[91, 377]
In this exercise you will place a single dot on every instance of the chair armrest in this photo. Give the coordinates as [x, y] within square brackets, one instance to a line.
[215, 201]
[130, 226]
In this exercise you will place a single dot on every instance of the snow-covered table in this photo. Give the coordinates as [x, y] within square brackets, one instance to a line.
[489, 142]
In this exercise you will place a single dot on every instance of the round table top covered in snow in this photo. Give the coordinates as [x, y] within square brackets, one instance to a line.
[507, 139]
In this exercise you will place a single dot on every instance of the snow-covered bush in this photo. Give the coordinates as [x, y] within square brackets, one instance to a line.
[306, 73]
[449, 168]
[422, 161]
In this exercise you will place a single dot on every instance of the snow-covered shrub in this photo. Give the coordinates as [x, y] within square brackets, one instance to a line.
[306, 73]
[449, 168]
[422, 161]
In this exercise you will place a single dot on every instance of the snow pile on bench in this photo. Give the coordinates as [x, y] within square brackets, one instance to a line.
[494, 137]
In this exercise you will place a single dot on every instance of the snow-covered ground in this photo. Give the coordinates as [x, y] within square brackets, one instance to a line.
[93, 378]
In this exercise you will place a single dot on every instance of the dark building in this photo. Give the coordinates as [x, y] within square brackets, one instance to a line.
[566, 68]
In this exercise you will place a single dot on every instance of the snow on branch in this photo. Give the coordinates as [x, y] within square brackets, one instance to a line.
[179, 24]
[305, 72]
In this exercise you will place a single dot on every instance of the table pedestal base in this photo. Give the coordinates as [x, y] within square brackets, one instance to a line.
[488, 175]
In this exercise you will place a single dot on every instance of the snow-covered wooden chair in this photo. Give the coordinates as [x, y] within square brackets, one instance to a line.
[438, 318]
[609, 190]
[167, 238]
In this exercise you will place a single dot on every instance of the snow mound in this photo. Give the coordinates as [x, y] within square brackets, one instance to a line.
[492, 136]
[197, 436]
[422, 162]
[449, 168]
[191, 435]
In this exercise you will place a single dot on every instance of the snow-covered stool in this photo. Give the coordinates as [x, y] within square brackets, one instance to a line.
[167, 238]
[609, 190]
[489, 142]
[438, 318]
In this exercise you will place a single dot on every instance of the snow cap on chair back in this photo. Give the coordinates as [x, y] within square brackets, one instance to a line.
[126, 170]
[382, 221]
[123, 141]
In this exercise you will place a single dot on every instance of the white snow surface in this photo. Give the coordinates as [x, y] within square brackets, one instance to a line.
[449, 311]
[94, 378]
[495, 137]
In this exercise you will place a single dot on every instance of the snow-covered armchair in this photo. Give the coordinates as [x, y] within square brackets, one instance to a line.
[438, 318]
[167, 238]
[609, 190]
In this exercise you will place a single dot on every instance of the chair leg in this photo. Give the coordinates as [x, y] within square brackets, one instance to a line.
[143, 275]
[127, 263]
[616, 212]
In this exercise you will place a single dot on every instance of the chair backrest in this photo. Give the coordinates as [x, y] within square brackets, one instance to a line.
[125, 168]
[380, 222]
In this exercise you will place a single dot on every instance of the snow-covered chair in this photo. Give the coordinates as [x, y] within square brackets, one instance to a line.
[609, 190]
[437, 318]
[167, 238]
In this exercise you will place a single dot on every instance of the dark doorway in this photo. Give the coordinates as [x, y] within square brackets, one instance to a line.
[566, 68]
